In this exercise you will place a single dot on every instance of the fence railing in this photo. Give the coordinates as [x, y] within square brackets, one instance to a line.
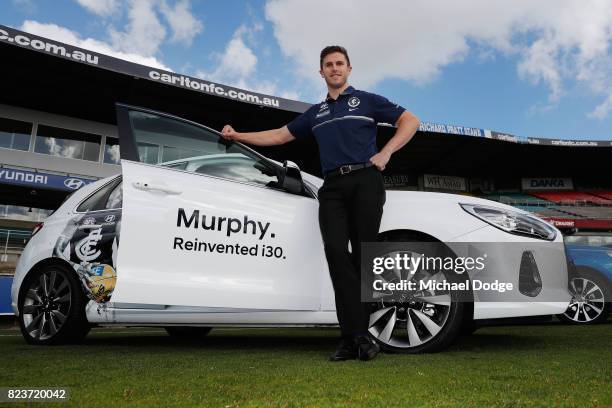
[12, 243]
[15, 212]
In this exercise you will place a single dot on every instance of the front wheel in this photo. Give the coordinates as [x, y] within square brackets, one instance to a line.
[418, 321]
[52, 307]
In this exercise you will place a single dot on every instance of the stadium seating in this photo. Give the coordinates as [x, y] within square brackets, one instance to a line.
[602, 193]
[568, 211]
[572, 197]
[543, 211]
[517, 199]
[600, 213]
[573, 205]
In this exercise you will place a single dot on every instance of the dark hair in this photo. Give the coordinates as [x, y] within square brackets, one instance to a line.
[331, 49]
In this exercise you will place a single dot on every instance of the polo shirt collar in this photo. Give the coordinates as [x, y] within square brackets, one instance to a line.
[347, 91]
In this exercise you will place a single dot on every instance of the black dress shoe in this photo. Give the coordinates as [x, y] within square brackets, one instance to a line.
[367, 349]
[347, 350]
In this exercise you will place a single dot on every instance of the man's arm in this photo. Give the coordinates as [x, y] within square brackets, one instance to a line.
[407, 125]
[264, 138]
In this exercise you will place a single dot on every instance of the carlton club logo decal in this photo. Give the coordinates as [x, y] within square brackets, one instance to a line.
[354, 102]
[323, 107]
[86, 248]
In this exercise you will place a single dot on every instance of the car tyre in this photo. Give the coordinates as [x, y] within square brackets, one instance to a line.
[421, 324]
[591, 299]
[52, 307]
[469, 327]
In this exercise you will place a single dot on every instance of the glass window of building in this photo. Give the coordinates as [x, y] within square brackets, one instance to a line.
[15, 134]
[111, 151]
[67, 143]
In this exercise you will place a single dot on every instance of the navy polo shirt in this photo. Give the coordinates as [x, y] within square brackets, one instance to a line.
[345, 128]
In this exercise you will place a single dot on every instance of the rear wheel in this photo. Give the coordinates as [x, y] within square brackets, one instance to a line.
[52, 307]
[417, 321]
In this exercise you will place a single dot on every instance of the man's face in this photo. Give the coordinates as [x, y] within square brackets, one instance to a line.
[335, 70]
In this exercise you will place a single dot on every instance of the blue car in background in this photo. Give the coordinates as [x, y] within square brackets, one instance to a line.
[590, 281]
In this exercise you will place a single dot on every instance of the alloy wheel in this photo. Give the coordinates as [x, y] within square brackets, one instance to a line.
[409, 319]
[46, 305]
[587, 302]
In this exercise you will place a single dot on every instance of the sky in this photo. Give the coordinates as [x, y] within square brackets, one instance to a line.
[529, 68]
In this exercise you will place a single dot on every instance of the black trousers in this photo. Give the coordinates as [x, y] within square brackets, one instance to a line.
[350, 209]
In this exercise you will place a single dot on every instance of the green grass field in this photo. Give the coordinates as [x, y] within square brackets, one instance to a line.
[513, 366]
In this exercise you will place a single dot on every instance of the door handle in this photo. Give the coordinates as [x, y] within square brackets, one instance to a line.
[145, 186]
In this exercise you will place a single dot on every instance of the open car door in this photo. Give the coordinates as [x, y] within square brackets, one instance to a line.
[205, 223]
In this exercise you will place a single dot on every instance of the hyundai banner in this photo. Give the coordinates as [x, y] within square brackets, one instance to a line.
[43, 180]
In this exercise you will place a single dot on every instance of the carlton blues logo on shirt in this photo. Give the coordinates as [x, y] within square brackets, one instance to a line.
[353, 102]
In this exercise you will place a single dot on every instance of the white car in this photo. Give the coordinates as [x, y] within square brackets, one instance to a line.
[198, 232]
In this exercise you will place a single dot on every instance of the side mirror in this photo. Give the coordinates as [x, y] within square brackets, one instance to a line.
[291, 178]
[291, 165]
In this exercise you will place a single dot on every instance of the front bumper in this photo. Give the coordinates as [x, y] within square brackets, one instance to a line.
[505, 255]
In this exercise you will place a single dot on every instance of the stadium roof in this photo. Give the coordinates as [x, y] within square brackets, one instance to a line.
[46, 75]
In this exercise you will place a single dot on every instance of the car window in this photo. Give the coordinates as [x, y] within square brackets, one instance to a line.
[181, 145]
[97, 200]
[236, 166]
[115, 198]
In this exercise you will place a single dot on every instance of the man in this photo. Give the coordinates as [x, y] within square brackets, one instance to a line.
[352, 197]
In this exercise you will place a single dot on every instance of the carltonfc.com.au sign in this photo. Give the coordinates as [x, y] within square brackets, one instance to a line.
[40, 44]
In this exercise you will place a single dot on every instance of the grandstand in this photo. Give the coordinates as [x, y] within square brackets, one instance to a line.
[572, 197]
[564, 208]
[602, 194]
[567, 183]
[543, 211]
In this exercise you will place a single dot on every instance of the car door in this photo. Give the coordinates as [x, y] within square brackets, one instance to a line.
[205, 223]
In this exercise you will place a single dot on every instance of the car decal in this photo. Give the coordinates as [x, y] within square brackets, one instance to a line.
[89, 243]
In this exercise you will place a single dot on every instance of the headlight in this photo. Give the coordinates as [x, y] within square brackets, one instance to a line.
[512, 221]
